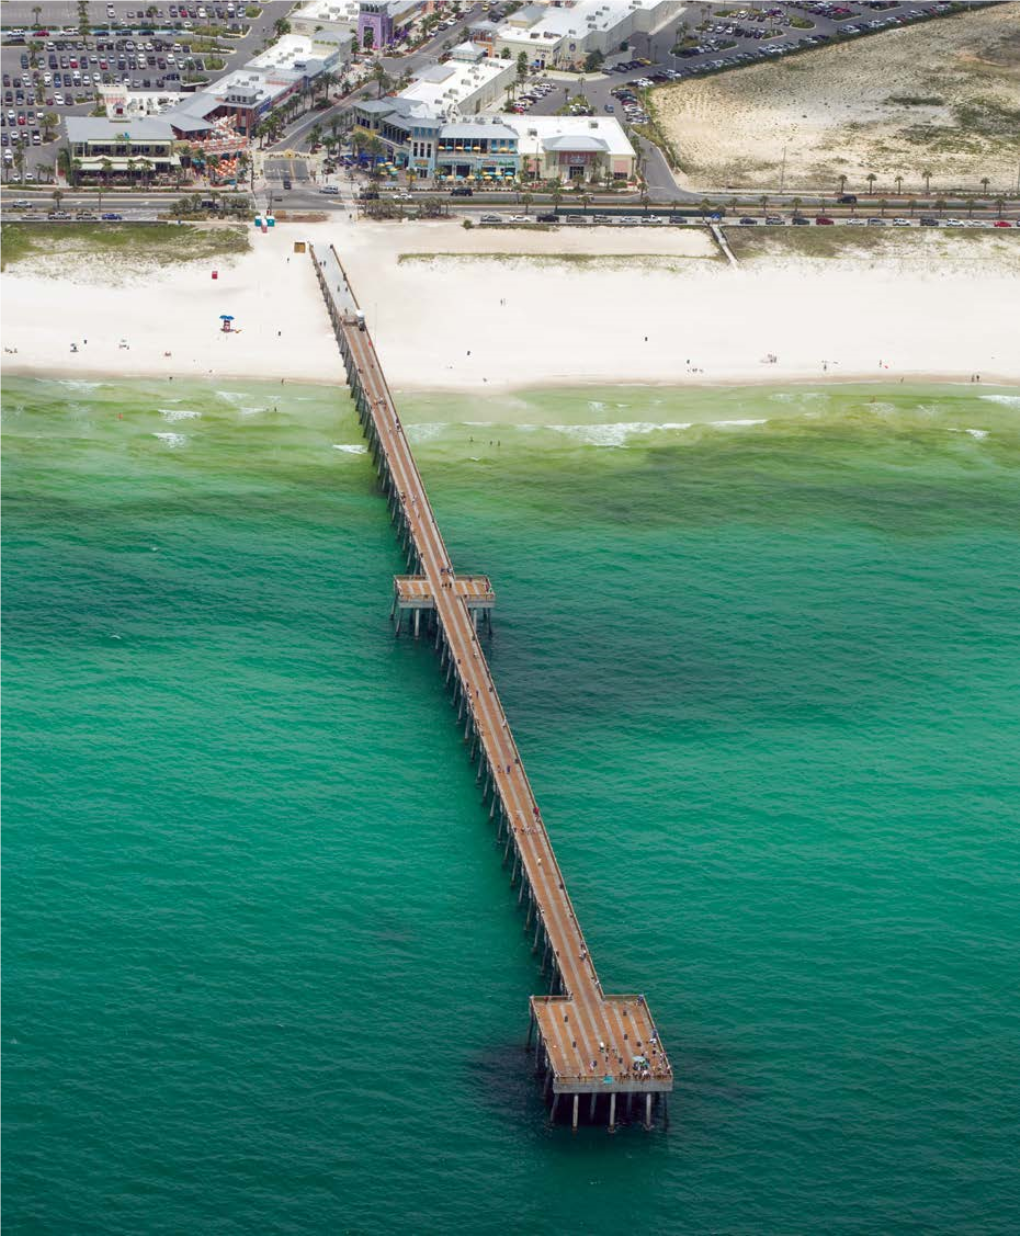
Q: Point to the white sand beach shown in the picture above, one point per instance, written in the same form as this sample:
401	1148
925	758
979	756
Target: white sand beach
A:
483	309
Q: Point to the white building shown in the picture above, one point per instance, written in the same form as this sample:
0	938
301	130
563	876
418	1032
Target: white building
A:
462	86
572	148
325	17
557	37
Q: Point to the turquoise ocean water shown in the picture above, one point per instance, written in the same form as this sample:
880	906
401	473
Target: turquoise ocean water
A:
264	973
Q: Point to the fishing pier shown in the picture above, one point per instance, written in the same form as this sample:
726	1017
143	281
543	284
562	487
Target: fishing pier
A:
600	1057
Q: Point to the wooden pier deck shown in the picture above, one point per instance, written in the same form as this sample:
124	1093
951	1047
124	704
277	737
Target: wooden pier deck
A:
593	1048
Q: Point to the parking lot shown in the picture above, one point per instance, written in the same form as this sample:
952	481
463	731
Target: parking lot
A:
693	45
51	69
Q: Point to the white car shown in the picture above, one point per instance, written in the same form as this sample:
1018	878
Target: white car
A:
955	223
901	223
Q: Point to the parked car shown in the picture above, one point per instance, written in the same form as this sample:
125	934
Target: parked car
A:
110	217
548	218
929	221
1002	223
824	220
462	191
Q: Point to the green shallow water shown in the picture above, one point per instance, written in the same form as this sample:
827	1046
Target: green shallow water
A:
263	970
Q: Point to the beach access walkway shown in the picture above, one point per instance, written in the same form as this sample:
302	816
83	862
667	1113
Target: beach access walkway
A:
596	1050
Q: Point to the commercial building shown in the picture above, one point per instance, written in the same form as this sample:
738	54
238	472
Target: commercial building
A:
382	22
100	145
573	148
464	85
562	36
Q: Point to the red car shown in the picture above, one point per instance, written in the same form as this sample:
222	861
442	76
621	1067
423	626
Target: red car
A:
821	220
1002	223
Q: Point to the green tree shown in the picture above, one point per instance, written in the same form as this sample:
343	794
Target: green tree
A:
49	121
522	68
940	206
899	185
926	176
58	197
557	193
381	78
585	201
871	178
593	61
526	200
315	136
883	206
281	27
1000	205
985	182
764	203
796	204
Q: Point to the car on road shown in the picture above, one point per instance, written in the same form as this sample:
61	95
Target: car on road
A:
1002	223
110	216
775	219
548	218
929	221
876	222
799	221
949	222
333	190
901	223
747	221
492	218
847	199
462	191
824	221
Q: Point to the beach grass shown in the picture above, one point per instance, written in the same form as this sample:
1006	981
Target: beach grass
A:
158	244
751	244
660	261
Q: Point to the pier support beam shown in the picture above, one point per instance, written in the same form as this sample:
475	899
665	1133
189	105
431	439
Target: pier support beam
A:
612	1112
648	1110
573	1123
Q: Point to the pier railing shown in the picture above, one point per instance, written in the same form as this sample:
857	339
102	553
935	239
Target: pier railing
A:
588	1044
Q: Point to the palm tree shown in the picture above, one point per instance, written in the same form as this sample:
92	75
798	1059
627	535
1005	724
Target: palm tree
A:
557	194
764	203
526	200
970	206
58	197
985	182
871	178
884	206
643	197
796	205
913	203
36	10
585	201
381	78
926	176
146	168
1000	204
107	167
132	167
315	136
899	185
940	206
50	120
842	183
19	160
704	206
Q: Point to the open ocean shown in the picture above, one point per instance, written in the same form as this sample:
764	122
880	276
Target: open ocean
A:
263	970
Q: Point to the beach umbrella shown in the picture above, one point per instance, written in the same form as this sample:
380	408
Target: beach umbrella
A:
226	317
